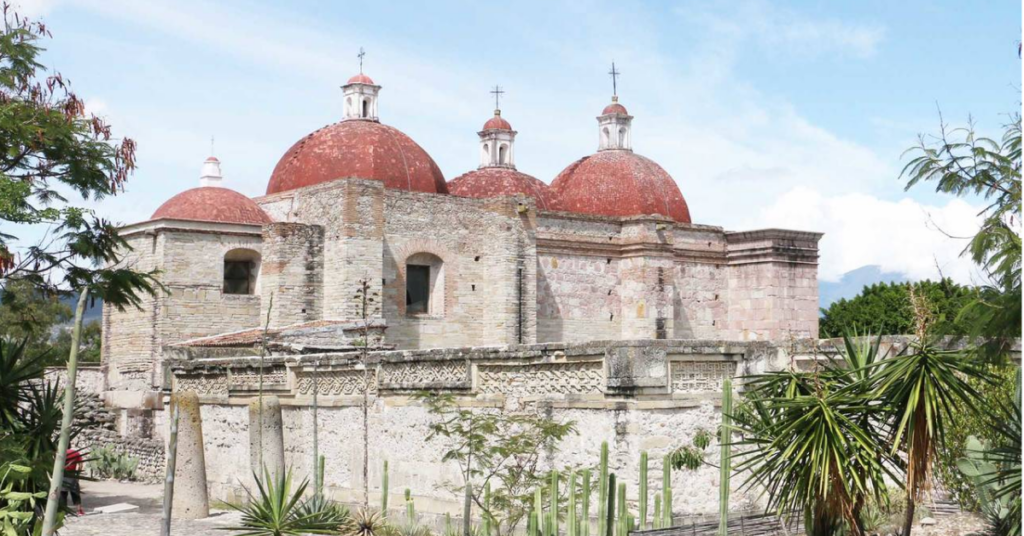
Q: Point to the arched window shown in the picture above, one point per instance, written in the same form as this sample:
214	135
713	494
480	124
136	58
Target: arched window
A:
502	154
366	107
605	137
424	285
241	271
622	137
348	106
485	153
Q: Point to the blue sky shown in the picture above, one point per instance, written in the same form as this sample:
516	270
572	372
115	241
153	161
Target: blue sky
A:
791	114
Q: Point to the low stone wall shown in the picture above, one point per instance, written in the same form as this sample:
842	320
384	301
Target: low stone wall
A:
100	430
89	378
638	396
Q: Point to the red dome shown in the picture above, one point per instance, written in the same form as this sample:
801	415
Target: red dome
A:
497	182
614	108
497	123
364	149
214	204
618	183
361	79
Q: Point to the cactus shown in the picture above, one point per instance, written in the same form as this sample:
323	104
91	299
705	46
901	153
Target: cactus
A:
322	463
538	508
383	491
553	528
643	490
531	524
448	528
621	529
585	514
602	493
570	511
657	510
724	439
410	509
666	493
609	509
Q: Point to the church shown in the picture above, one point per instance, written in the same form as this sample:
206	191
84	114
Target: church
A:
360	231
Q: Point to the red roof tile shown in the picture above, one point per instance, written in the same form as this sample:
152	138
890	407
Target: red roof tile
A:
209	203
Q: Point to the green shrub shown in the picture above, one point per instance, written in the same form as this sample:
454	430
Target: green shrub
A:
107	463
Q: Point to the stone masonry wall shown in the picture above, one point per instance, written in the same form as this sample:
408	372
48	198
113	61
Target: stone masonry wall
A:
637	395
130	341
292	273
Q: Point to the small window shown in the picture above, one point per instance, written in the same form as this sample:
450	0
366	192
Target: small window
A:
366	107
622	137
417	289
237	277
241	271
501	153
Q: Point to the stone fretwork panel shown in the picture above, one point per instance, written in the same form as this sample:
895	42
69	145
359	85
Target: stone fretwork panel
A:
576	378
248	379
701	376
425	375
345	382
203	384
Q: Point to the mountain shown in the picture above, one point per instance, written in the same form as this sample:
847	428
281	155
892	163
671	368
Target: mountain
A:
93	309
852	282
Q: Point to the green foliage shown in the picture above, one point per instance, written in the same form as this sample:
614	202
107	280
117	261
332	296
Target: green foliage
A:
692	456
725	465
496	449
885	309
276	510
365	522
89	348
20	497
983	425
51	146
807	437
107	463
961	163
30	315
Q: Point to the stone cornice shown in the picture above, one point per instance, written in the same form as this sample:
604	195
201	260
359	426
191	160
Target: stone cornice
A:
164	225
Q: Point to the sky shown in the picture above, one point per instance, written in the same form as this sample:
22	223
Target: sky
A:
767	114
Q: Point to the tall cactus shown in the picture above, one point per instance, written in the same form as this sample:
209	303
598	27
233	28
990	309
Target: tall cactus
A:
553	530
609	509
602	493
538	508
666	493
487	510
570	511
725	438
410	508
657	510
384	491
585	514
622	509
643	490
531	524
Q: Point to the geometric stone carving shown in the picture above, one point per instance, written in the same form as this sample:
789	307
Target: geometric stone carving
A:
248	379
583	377
700	376
203	384
450	374
337	382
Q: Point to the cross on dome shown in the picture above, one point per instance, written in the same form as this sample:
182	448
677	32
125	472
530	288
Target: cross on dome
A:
615	75
361	54
497	92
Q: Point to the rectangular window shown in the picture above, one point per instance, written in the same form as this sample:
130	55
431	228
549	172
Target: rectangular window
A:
417	289
238	277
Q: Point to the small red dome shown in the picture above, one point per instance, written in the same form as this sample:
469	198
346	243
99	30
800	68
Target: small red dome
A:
497	123
618	183
361	79
212	204
496	182
614	108
363	149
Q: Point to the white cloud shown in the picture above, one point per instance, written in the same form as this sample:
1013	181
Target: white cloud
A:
903	236
788	31
33	9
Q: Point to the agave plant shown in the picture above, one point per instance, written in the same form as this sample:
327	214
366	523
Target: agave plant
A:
277	510
365	522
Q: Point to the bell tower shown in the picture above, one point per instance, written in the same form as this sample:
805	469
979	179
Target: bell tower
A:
615	125
360	94
497	139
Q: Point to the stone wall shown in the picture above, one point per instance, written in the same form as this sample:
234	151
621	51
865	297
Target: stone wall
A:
637	395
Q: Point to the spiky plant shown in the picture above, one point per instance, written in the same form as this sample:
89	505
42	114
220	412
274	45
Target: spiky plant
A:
277	510
365	522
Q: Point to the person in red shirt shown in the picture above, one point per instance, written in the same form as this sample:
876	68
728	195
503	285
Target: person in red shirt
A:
73	464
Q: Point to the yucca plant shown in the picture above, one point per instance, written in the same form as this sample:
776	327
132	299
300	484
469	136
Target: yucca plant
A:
276	510
365	522
917	388
809	440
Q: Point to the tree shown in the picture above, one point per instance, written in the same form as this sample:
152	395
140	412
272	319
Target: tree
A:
30	314
89	348
50	150
492	447
961	163
884	309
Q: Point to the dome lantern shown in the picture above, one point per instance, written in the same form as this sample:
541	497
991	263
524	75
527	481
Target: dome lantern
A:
360	94
210	174
497	139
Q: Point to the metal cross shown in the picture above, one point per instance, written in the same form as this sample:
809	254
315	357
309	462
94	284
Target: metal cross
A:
615	74
497	92
211	145
361	54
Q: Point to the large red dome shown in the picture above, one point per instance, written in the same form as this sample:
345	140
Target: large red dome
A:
209	203
618	183
496	182
363	149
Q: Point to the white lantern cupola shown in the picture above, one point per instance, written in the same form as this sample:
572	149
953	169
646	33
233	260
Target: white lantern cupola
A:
497	142
615	128
360	94
210	174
